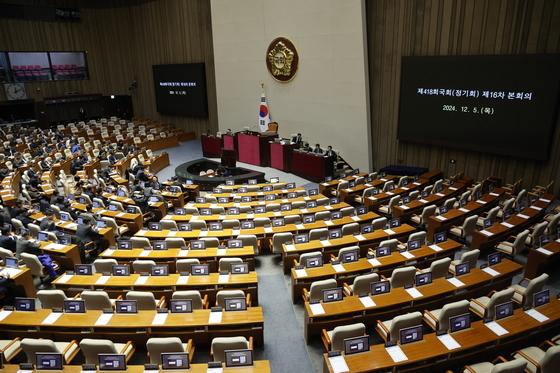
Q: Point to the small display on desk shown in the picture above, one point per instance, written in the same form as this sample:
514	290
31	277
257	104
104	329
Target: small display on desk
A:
24	304
124	245
234	244
235	304
356	345
180	305
246	199
292	195
459	322
174	360
10	262
184	227
410	335
239	268
238	358
361	210
351	184
366	228
100	224
380	287
154	226
310	192
223	200
247	224
286	207
394	223
112	207
267	188
83	269
442	210
233	211
175	189
230	182
260	209
544	239
274	180
494	259
313	261
462	269
48	361
440	237
332	295
111	361
423	279
311	204
218	190
503	310
415	244
200	200
382	251
307	219
200	269
336	215
301	238
215	226
121	193
74	306
160	270
126	306
252	181
487	223
350	256
334	201
42	236
64	216
65	239
405	200
180	211
335	233
278	222
541	298
188	182
290	185
198	245
121	270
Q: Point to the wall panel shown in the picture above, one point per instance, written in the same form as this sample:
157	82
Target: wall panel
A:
397	28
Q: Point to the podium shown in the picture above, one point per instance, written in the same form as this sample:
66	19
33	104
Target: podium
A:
229	141
253	148
211	146
281	155
311	166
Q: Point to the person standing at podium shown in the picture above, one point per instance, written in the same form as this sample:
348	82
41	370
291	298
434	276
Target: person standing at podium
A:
297	139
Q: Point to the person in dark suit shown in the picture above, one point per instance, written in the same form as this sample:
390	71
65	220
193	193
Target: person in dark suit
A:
24	244
7	239
318	149
330	152
306	147
47	224
297	139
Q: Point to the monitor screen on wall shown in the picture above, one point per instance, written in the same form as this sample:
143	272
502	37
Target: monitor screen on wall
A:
30	66
505	105
180	89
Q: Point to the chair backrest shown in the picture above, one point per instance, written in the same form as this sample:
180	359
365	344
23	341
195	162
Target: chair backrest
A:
520	197
451	310
175	243
403	321
519	242
475	190
368	192
388	185
449	203
393	202
93	347
350	229
322	215
156	346
347	211
221	344
392	244
193	295
273	207
534	286
317	287
418	236
168	224
278	239
184	265
553	224
402	276
231	224
427	212
261	222
342	185
198	224
469	225
222	295
33	263
493	213
538	230
550	363
361	284
51	298
142	265
140	242
31	346
437	186
318	233
104	265
440	267
508	204
340	333
470	256
225	263
344	250
402	181
96	299
513	366
249	240
498	297
379	223
5	253
145	300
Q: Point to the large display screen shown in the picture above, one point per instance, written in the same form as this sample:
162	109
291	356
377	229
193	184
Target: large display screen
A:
181	89
504	105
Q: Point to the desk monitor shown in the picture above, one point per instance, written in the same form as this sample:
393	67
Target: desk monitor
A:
503	310
198	245
487	223
189	182
159	245
335	233
541	298
242	190
160	270
366	228
409	335
10	262
247	224
350	256
351	184
74	306
406	200
111	361
223	200
121	193
494	258
234	243
184	227
230	182
380	287
83	269
217	190
459	322
278	222
361	210
415	244
235	304
121	270
356	345
334	201
260	209
215	226
423	279
154	226
82	200
544	239
65	239
180	211
124	245
440	237
174	360
382	251
267	188
126	306
310	192
42	236
462	202
24	304
238	358
336	215
292	195
199	269
252	181
394	223
233	211
112	207
132	210
95	204
101	224
205	211
332	295
311	204
442	210
64	216
274	180
307	219
246	199
463	268
48	361
286	207
290	185
154	199
314	261
239	268
199	200
301	238
180	305
175	189
424	194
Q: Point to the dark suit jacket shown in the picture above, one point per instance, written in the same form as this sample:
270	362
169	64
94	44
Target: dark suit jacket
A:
8	242
47	225
26	246
85	233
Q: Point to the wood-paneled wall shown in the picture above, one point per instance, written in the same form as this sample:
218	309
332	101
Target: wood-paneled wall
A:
398	28
124	39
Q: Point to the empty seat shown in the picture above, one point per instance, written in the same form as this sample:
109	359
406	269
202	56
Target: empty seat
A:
145	300
350	229
31	346
197	301
221	344
97	300
470	257
513	366
222	295
140	243
315	292
539	360
422	219
514	248
168	224
333	340
210	241
157	346
439	268
278	239
184	265
389	330
93	347
143	266
388	208
176	243
104	265
231	224
524	294
438	319
51	298
249	240
466	230
402	276
318	234
225	263
361	284
484	306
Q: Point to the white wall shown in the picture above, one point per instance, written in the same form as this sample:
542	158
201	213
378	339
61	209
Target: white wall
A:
327	99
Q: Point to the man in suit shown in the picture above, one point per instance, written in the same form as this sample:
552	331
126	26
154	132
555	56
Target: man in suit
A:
306	147
318	149
297	139
8	239
330	152
47	224
25	244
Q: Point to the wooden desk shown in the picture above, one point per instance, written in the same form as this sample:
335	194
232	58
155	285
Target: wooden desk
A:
457	216
259	366
105	233
516	223
254	203
275	186
416	206
278	192
374	202
311	166
327	186
365	241
137	327
66	255
423	355
542	261
399	301
348	194
22	278
383	266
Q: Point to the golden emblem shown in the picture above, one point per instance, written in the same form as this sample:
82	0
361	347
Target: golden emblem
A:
282	59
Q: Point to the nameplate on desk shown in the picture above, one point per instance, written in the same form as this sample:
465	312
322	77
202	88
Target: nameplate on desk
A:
183	252
277	213
486	233
141	280
496	328
407	254
494	194
544	200
194	217
300	226
491	271
422	201
51	319
182	280
215	370
268	230
355	218
120	214
55	246
221	252
360	237
507	225
4	314
64	279
305	198
104	319
449	342
328	207
348	190
141	232
404	207
215	318
171	233
10	272
441	218
389	231
338	364
374	262
223	279
523	216
414	293
367	302
301	273
203	233
317	309
325	242
102	280
435	247
536	315
285	200
325	184
329	222
462	209
339	268
145	253
481	201
536	208
290	247
396	353
440	194
389	193
456	282
452	188
235	232
405	188
213	205
545	251
159	319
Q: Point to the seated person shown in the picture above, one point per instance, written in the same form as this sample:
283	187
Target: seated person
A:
318	149
25	244
297	139
47	224
330	152
306	147
8	239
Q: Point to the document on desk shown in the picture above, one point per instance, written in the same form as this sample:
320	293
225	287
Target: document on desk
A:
141	232
435	247
268	230
300	226
235	232
360	237
544	200
171	233
145	253
328	207
481	201
64	279
223	279
496	328
452	188
221	252
325	242
120	214
182	280
159	319
422	201
507	225
462	209
329	222
317	309
441	218
51	319
250	216
215	370
183	252
486	233
104	319
491	271
389	193
414	293
407	254
102	280
367	302
404	207
544	251
338	364
290	247
141	280
10	271
301	273
215	318
203	233
277	213
374	262
440	194
456	282
536	315
396	353
390	232
449	342
194	217
494	194
339	268
356	218
55	246
4	314
536	208
523	216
